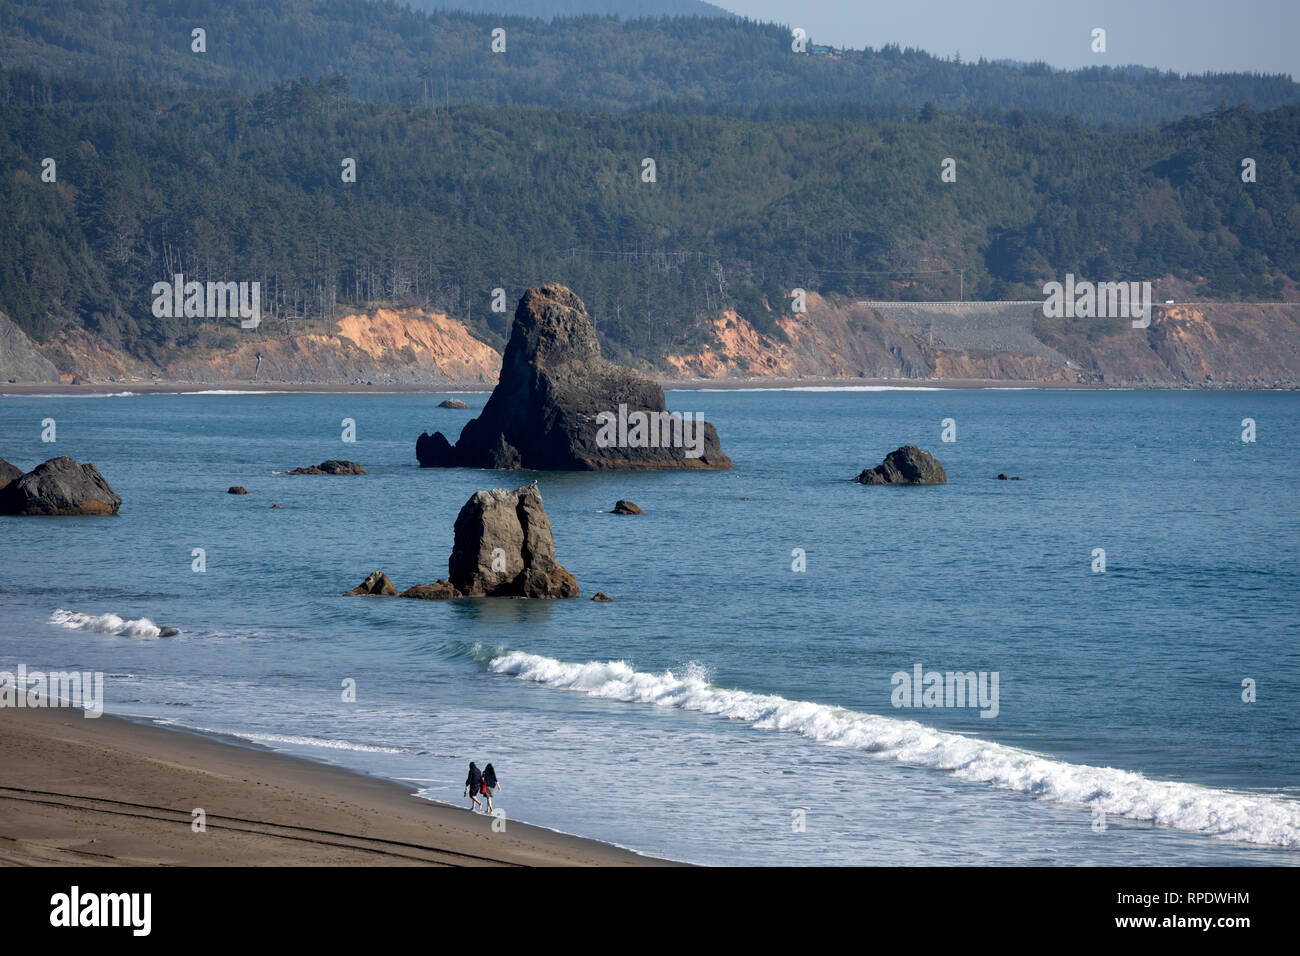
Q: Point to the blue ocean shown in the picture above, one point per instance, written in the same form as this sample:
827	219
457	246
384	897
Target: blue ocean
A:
1136	598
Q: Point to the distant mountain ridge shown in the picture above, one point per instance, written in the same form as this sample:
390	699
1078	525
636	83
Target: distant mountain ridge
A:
546	9
393	54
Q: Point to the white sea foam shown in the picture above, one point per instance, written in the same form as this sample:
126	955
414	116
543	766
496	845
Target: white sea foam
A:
106	624
304	741
68	395
1234	815
821	388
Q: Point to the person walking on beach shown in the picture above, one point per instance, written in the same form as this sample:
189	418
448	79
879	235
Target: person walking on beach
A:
473	784
489	784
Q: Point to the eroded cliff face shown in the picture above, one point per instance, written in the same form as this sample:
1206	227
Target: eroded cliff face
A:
1209	345
1202	344
849	340
390	346
19	359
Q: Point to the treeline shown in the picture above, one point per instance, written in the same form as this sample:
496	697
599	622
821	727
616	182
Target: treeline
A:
389	53
548	9
449	205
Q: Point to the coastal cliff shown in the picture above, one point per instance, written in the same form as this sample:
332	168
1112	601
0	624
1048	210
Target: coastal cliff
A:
1189	344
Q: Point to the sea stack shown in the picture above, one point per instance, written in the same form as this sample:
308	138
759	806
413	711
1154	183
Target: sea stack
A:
503	548
60	486
561	406
908	465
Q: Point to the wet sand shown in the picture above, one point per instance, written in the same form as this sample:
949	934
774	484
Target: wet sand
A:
77	791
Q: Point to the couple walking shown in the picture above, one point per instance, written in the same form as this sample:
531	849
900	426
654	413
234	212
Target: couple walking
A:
481	784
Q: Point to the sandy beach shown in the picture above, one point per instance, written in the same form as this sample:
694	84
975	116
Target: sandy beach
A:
106	791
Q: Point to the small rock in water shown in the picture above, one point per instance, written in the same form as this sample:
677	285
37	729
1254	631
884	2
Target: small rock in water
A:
237	490
376	582
333	466
622	507
452	403
601	596
908	465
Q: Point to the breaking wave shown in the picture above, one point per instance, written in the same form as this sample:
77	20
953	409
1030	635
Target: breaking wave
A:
109	624
1227	814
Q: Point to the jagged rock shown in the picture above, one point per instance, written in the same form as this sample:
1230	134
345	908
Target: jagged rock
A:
908	465
334	466
375	583
503	548
236	490
434	451
622	507
60	486
9	472
452	403
560	405
601	596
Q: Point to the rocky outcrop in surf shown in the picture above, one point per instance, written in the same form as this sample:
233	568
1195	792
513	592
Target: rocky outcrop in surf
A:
561	406
503	548
622	507
908	465
376	583
59	486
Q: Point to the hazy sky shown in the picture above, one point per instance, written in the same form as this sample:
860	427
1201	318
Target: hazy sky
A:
1190	36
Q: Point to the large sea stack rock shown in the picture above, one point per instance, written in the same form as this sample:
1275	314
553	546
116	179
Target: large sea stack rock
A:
503	548
60	486
908	465
559	403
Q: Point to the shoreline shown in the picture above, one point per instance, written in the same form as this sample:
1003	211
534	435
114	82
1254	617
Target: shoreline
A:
60	390
116	791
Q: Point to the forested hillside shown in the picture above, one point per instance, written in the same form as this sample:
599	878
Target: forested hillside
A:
449	204
393	54
547	9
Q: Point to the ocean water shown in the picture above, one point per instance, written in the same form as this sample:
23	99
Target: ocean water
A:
725	708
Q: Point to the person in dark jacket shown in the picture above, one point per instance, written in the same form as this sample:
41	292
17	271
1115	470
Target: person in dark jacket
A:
473	784
489	784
